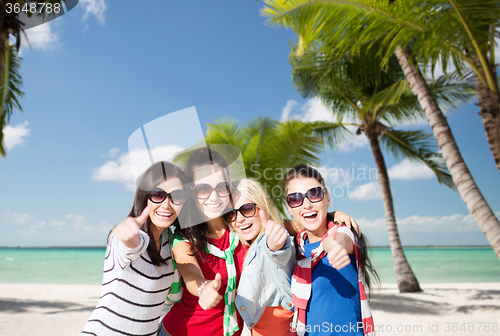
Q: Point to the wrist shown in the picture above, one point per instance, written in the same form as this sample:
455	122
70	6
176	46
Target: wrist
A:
202	286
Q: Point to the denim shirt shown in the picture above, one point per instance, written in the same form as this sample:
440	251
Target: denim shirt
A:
265	280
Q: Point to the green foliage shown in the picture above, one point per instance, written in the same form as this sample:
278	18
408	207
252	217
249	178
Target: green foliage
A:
269	148
10	90
437	30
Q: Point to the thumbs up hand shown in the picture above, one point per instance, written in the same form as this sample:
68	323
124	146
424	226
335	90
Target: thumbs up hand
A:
209	295
336	253
128	230
275	232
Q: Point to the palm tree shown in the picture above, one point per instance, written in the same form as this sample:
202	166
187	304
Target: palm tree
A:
348	25
10	63
269	149
362	94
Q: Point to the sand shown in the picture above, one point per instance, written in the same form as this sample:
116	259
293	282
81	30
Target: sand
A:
441	309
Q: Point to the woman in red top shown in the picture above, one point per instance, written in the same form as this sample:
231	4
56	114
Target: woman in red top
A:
209	257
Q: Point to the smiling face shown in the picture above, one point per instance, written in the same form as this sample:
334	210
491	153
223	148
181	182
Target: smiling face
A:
247	228
164	214
213	206
311	215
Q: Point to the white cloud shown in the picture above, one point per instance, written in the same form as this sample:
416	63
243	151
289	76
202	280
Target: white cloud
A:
366	192
314	110
41	37
113	152
290	104
96	8
15	135
122	170
57	223
407	170
17	218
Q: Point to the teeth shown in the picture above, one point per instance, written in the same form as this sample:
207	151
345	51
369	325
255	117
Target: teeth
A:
164	214
212	205
310	215
245	227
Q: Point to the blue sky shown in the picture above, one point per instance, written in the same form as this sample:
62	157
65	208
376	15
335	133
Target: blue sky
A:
95	75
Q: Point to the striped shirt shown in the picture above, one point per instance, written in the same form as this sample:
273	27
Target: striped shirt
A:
133	290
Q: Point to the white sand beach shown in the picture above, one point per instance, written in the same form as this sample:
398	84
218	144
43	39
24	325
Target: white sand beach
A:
441	309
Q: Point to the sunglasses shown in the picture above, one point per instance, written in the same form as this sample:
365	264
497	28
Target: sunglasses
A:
158	195
204	190
247	210
314	195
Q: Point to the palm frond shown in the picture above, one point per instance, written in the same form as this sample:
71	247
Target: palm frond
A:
417	146
10	90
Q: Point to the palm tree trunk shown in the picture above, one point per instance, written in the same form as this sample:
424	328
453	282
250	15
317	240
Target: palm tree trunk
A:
470	193
4	38
405	278
489	105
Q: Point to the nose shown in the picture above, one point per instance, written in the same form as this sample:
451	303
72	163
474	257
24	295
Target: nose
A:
167	203
213	196
239	217
307	203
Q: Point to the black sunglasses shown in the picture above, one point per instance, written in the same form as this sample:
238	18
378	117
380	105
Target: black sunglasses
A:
204	190
158	195
314	195
247	210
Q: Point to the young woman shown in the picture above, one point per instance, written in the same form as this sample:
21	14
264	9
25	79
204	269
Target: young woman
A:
209	256
138	267
327	292
264	298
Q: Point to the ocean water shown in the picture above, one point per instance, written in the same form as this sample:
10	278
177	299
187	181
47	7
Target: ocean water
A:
84	266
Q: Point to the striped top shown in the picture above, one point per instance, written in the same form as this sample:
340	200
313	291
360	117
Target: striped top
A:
133	290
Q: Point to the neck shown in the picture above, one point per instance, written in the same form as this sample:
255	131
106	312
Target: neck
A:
317	235
157	234
216	227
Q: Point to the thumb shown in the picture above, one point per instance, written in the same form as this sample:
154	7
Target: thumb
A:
263	218
217	281
143	216
333	231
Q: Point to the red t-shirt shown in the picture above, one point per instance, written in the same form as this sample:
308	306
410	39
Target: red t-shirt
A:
187	318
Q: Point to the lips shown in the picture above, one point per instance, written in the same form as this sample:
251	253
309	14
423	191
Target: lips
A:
310	216
213	207
245	228
164	214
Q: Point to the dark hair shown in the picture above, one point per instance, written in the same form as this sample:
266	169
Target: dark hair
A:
153	176
198	234
305	171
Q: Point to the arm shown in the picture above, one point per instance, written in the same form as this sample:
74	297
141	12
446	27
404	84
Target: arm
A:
193	277
338	246
127	242
343	218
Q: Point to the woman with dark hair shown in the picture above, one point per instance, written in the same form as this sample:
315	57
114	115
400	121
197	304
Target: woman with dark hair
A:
209	256
326	291
138	267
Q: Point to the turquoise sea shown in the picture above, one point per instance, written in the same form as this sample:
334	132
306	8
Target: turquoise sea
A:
84	265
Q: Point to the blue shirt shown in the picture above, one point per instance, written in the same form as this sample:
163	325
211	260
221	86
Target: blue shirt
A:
334	307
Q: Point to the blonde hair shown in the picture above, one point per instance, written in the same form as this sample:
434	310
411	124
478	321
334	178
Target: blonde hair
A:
253	191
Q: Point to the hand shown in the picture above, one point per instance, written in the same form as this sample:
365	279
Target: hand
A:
209	296
275	232
128	231
337	255
340	217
